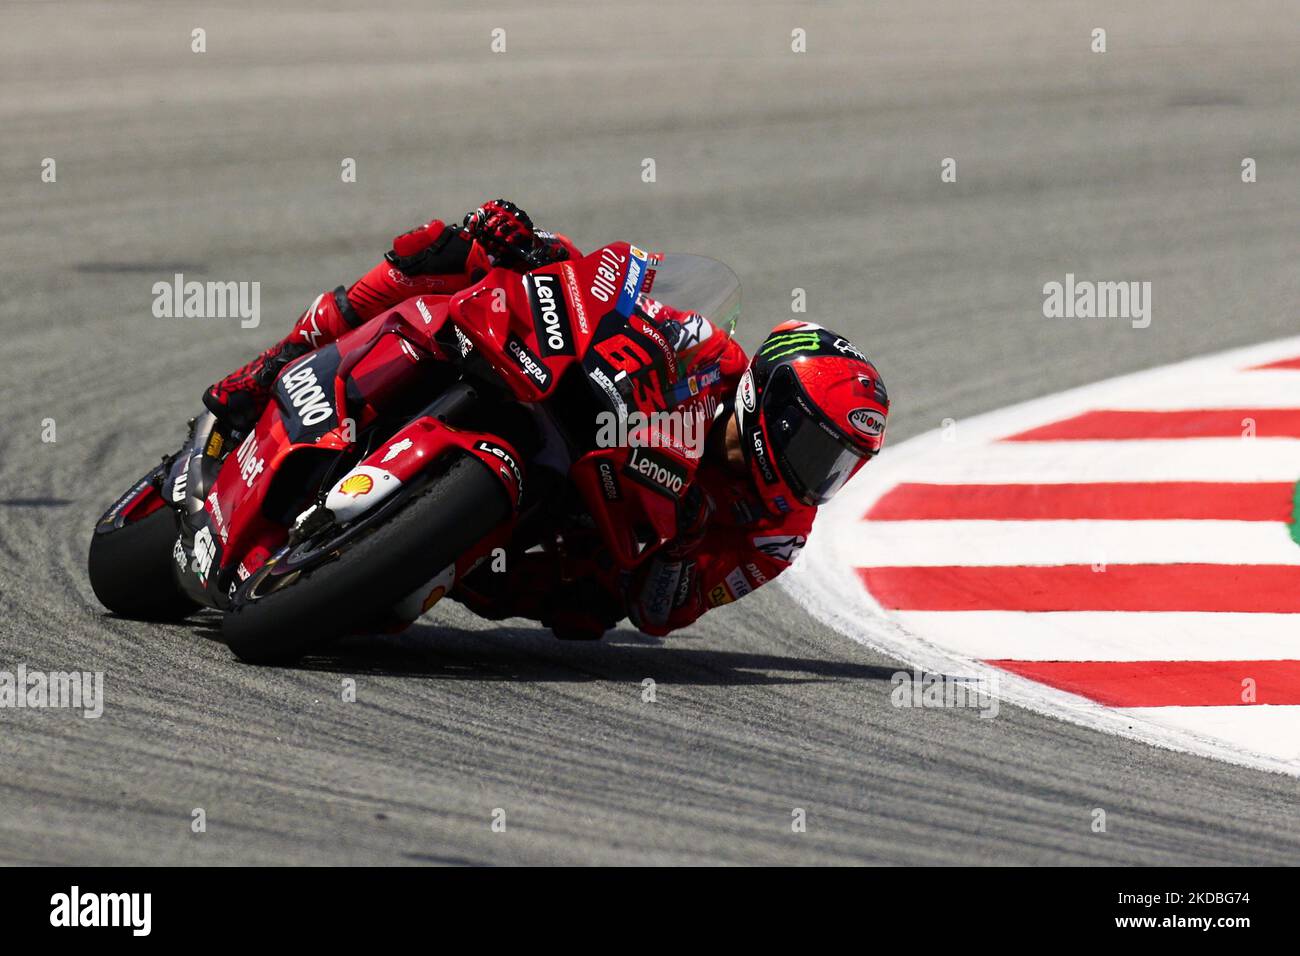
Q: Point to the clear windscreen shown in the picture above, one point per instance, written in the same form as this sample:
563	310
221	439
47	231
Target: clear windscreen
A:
697	284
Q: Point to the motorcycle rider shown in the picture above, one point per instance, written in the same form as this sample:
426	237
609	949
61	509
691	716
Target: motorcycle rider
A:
789	428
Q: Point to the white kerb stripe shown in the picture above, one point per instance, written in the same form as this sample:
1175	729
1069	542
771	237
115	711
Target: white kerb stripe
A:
1269	729
1109	635
983	543
1053	462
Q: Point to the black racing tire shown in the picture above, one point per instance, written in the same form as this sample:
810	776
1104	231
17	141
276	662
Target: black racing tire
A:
372	572
133	572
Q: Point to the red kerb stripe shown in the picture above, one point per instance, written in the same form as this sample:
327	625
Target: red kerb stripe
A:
1193	423
1257	588
1167	683
1113	501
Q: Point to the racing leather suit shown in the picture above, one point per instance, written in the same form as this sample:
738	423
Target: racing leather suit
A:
729	543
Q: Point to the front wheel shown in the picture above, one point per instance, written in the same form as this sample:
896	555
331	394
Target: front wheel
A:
368	572
132	559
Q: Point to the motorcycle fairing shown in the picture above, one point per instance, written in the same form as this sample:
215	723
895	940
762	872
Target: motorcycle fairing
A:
410	452
532	329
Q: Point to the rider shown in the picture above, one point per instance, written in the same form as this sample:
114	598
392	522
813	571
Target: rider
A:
789	428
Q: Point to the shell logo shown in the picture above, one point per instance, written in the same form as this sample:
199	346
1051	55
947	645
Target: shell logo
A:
433	597
357	485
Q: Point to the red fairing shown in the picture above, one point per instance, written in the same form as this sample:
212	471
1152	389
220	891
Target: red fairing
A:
234	504
502	314
412	448
388	355
379	359
615	481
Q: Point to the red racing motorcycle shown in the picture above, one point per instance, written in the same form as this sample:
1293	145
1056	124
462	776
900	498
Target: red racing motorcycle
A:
395	461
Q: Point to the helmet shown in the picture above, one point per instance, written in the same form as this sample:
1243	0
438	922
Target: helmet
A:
811	411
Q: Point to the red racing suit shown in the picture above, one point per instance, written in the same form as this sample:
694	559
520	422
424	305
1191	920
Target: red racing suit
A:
730	544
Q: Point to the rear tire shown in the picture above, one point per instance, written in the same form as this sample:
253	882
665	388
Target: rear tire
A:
374	572
133	573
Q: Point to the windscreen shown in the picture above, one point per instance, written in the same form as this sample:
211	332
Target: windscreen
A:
696	284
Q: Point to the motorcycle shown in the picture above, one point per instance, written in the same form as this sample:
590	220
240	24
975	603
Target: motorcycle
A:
392	463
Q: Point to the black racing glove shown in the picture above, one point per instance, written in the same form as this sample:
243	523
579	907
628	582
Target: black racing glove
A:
507	233
693	514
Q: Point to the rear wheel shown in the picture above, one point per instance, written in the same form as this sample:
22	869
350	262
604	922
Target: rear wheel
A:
278	617
133	571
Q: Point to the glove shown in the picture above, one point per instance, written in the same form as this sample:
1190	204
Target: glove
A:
503	229
693	514
429	250
506	232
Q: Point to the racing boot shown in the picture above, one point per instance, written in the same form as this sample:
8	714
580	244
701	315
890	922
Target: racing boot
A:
239	399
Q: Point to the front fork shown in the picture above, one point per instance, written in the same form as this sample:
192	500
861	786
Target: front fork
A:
188	480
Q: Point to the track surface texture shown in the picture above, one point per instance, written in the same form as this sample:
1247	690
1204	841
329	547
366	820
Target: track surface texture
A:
817	171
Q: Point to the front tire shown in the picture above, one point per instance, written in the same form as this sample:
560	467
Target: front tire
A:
408	548
132	569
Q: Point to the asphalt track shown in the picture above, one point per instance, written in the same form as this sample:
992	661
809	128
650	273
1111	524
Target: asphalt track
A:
818	171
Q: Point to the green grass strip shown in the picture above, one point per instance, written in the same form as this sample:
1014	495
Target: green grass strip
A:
1295	514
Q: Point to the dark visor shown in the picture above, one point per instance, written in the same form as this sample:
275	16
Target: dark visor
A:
814	461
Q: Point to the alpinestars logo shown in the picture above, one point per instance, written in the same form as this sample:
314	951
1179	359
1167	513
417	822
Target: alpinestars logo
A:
694	329
781	547
550	314
313	336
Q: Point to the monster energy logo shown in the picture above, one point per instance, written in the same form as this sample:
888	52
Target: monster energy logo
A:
789	343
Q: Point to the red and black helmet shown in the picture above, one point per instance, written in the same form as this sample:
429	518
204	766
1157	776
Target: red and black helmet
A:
811	411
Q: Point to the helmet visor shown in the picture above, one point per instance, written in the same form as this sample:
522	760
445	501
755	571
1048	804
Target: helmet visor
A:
814	461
